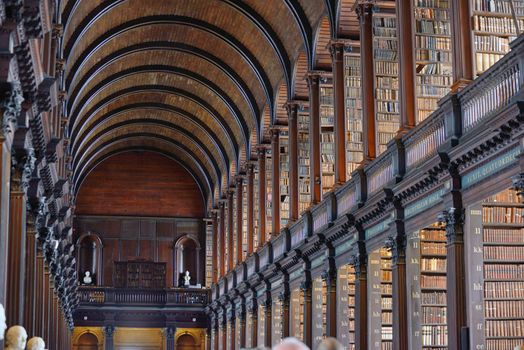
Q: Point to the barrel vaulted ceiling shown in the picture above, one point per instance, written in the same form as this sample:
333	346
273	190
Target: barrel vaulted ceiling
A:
197	80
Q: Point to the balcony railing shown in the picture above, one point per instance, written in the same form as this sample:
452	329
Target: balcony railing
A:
90	296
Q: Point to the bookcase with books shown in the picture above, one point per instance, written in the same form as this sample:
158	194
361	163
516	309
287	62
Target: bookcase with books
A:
269	195
327	135
432	54
229	336
353	109
319	301
385	52
276	324
426	254
380	291
296	317
304	188
234	233
226	237
261	325
244	219
496	239
238	329
284	177
256	217
346	306
209	255
495	24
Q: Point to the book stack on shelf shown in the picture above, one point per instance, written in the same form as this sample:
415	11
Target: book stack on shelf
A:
432	54
353	110
226	238
244	219
503	252
209	255
303	160
327	136
234	233
319	300
276	327
256	216
297	314
229	336
386	288
385	51
284	177
269	196
494	27
261	316
238	330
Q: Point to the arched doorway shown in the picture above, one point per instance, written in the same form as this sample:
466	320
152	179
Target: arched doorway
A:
87	341
89	257
186	342
187	258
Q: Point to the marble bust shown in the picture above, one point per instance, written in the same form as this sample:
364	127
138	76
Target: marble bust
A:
36	343
15	338
187	279
3	325
87	278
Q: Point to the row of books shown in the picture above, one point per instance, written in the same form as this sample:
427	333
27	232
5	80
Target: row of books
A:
504	290
510	253
433	249
511	215
426	91
437	282
505	328
432	3
497	25
386	288
492	6
495	44
433	265
499	235
438	27
503	344
504	271
432	42
434	314
388	107
432	55
387	318
386	68
483	61
504	309
434	298
439	80
438	14
434	335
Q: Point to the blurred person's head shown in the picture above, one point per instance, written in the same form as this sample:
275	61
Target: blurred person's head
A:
290	344
330	344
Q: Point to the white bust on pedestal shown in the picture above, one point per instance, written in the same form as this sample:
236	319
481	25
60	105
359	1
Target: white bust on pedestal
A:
36	343
3	325
87	278
15	338
187	279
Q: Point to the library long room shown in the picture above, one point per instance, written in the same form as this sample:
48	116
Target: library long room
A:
277	174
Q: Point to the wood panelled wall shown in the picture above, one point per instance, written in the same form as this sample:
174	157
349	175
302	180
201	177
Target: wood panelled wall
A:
140	184
127	238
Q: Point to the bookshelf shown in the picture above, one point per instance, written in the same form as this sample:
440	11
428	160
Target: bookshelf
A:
304	188
284	177
380	291
426	254
346	306
229	336
353	111
319	301
139	274
269	196
500	234
244	220
385	52
494	25
261	324
433	54
296	318
235	234
209	255
237	332
256	216
276	324
226	237
327	135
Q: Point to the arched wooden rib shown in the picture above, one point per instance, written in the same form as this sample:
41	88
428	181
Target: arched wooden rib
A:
305	28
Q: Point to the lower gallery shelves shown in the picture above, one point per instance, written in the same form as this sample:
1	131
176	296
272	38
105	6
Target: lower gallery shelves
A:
296	319
346	306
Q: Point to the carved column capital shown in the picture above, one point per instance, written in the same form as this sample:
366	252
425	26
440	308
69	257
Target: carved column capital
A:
22	166
305	286
453	219
336	49
397	245
518	186
358	261
364	9
11	105
313	78
109	331
283	297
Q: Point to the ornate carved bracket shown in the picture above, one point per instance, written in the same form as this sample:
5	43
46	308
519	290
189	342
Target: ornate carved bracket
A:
453	219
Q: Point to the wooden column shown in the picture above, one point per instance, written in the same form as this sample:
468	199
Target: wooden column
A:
404	11
16	250
361	303
214	251
109	332
169	334
330	277
242	331
400	301
31	291
250	208
313	81
47	308
230	227
453	219
305	289
223	332
268	322
275	180
239	207
39	295
337	58
462	44
284	299
5	176
222	229
231	335
252	312
292	117
262	194
364	12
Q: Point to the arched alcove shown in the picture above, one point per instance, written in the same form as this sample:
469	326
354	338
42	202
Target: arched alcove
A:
87	341
187	252
89	257
186	342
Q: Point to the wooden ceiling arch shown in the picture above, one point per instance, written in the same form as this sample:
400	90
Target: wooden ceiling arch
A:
207	77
